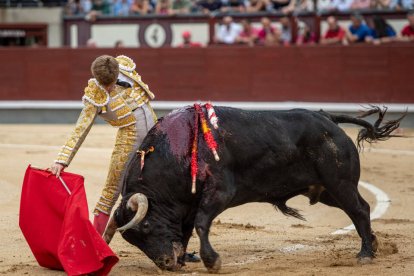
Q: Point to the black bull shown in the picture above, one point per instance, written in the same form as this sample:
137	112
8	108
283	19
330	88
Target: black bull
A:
267	156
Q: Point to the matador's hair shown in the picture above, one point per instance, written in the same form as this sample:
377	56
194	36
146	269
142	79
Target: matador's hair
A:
105	69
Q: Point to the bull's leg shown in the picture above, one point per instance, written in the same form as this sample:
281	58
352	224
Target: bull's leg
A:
327	199
212	204
187	232
348	198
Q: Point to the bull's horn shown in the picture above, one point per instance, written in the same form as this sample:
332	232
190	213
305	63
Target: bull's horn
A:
110	230
139	203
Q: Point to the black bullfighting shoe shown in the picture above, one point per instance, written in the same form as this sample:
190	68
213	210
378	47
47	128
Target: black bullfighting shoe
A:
192	257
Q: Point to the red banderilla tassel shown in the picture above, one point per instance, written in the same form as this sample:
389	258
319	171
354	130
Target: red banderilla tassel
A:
194	151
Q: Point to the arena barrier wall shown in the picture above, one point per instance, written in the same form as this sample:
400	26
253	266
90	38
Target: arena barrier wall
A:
353	74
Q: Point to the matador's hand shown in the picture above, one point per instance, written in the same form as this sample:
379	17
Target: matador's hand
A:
57	168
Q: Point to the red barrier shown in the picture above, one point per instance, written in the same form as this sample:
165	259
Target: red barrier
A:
360	73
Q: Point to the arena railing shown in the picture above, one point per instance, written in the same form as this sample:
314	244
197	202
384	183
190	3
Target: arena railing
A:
312	19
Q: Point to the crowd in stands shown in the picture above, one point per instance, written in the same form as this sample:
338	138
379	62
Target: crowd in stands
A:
93	8
375	31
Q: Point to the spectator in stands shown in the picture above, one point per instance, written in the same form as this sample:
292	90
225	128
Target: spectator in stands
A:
119	44
210	6
78	7
401	4
140	7
380	4
305	36
358	31
341	5
286	31
335	34
248	35
382	32
99	7
228	31
268	35
407	33
277	5
187	43
103	7
304	5
181	6
164	7
361	4
323	5
121	7
256	5
233	6
90	43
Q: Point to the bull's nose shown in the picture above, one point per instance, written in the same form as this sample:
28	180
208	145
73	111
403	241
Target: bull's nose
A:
170	263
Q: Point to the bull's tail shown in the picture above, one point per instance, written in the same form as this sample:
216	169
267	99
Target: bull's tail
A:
379	131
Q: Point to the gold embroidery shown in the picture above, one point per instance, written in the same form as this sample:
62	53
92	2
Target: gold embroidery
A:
83	125
126	140
95	93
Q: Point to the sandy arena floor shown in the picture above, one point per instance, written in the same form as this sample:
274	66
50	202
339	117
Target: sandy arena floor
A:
252	239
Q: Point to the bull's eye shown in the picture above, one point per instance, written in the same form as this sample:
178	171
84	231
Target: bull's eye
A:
145	226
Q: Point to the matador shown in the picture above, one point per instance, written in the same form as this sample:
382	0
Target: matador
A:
118	95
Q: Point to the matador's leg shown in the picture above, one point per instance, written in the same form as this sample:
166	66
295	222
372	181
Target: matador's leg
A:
125	146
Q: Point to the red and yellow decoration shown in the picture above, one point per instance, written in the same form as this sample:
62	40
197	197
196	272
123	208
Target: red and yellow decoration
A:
199	117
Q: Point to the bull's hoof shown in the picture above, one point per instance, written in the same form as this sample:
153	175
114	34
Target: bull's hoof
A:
215	268
365	260
374	243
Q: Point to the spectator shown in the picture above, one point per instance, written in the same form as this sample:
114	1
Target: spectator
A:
102	7
304	5
181	6
233	6
78	7
90	43
121	7
407	33
140	7
358	31
286	31
256	5
335	34
401	4
382	32
361	4
99	7
381	4
323	5
163	7
119	44
209	6
187	43
305	36
248	35
228	31
341	5
268	35
276	5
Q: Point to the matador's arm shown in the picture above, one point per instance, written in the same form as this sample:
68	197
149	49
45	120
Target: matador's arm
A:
82	128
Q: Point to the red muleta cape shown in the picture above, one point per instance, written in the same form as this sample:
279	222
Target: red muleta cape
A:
56	224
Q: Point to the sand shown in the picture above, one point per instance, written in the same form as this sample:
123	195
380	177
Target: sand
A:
252	239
